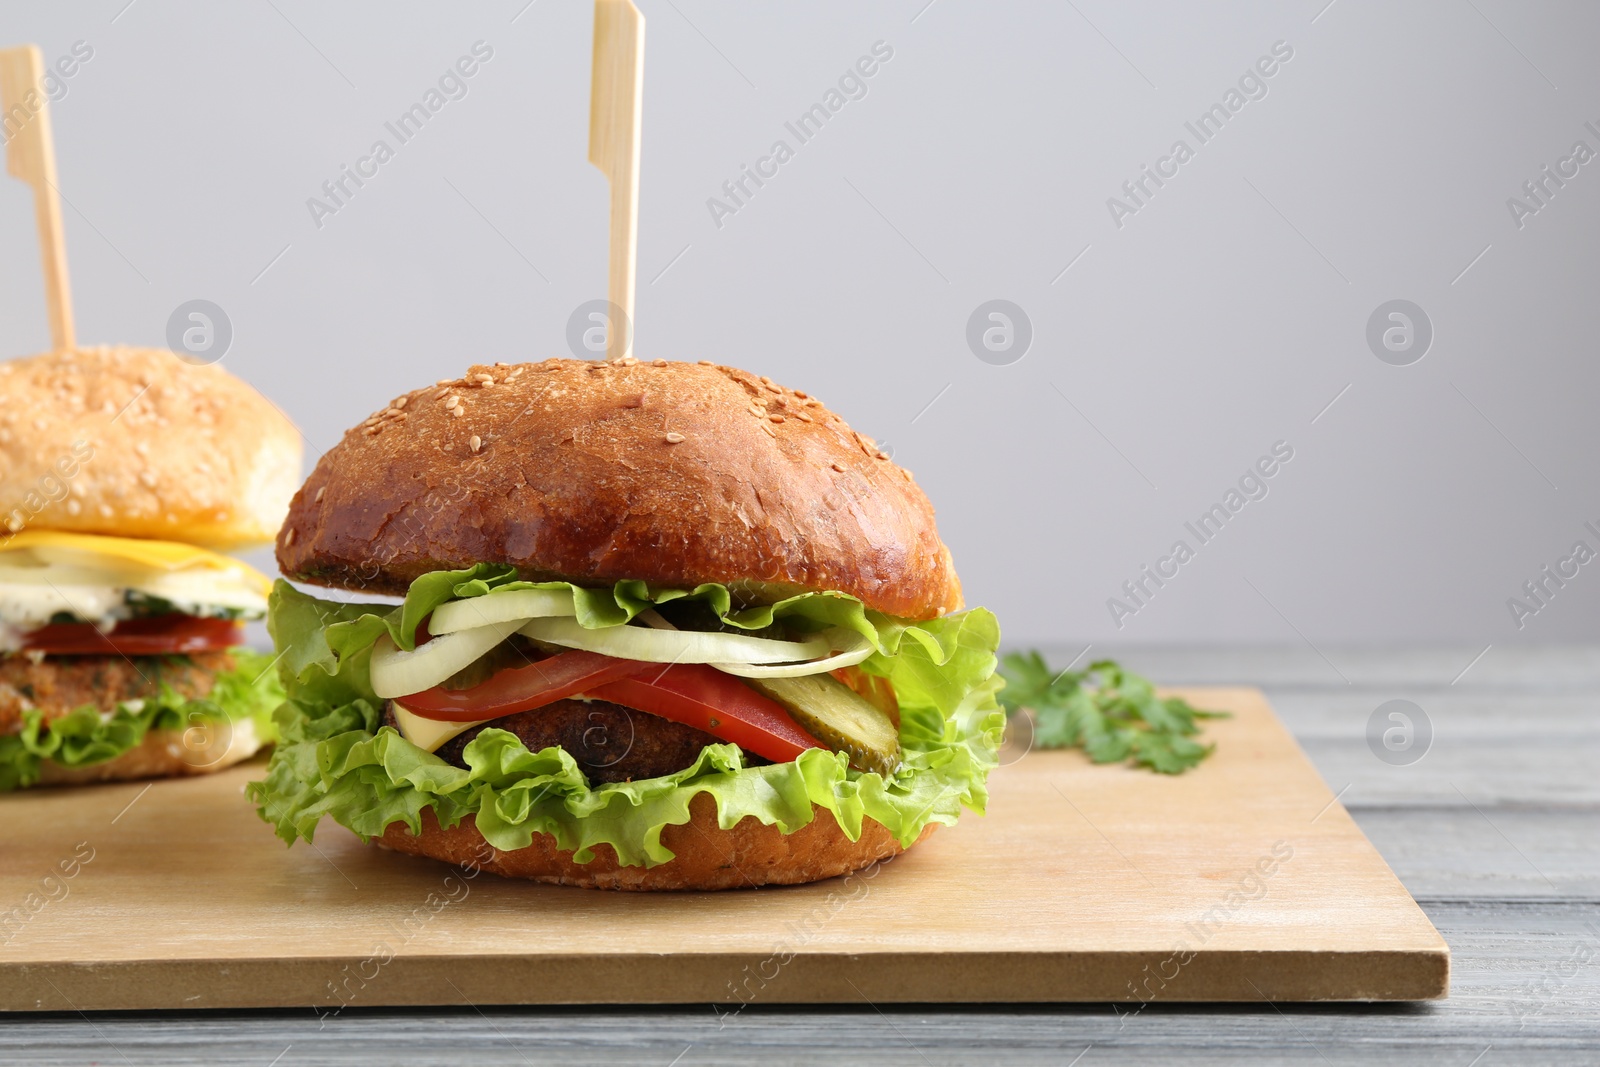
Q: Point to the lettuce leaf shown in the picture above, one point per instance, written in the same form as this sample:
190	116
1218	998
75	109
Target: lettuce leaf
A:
336	760
604	607
84	736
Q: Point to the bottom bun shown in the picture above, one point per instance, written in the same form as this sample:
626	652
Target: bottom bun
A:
706	856
163	754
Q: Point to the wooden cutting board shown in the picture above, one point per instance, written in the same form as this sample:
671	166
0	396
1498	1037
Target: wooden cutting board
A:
1244	880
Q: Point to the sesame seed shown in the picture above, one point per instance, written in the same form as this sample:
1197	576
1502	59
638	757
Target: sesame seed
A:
288	537
475	444
769	430
453	402
483	377
445	381
836	465
658	363
803	417
402	402
499	363
391	413
73	507
706	363
441	394
321	492
675	438
774	418
882	455
458	411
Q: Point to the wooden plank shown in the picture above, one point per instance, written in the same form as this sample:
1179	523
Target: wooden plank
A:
1487	772
1522	668
1500	949
1463	853
1488	748
1558	718
1513	989
1083	883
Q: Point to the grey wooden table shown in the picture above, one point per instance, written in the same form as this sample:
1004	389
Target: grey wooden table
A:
1495	831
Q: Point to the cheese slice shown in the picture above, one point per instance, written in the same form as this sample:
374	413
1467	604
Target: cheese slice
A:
100	552
428	734
89	569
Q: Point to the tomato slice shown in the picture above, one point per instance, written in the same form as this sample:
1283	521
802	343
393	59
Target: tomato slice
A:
701	696
522	688
694	694
158	635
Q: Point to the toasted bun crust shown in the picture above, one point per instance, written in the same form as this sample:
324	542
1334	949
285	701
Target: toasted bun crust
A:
676	473
706	856
163	754
135	442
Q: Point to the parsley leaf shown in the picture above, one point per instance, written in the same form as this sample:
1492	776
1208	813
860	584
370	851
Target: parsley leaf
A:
1111	713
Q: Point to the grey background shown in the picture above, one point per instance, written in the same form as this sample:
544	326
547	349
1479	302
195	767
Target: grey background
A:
1223	317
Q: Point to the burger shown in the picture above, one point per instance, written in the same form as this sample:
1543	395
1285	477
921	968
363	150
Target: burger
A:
660	625
122	473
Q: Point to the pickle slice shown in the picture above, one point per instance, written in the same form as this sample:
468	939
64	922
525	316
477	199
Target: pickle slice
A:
839	717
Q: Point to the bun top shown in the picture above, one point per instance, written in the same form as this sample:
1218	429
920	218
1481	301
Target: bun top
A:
675	473
135	442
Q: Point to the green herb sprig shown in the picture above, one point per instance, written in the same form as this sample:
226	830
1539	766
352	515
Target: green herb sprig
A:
1109	712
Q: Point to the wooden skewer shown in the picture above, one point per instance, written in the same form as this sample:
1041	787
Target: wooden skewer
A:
30	155
615	107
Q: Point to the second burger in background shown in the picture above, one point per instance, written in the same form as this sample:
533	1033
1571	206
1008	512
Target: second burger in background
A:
122	472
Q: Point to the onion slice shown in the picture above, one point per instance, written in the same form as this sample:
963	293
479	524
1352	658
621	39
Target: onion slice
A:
855	649
674	646
398	674
517	605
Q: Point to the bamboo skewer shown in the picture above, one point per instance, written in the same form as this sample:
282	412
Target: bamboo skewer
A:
615	108
30	155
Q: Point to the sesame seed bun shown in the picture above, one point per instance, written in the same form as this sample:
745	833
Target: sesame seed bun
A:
163	754
135	442
675	473
705	856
